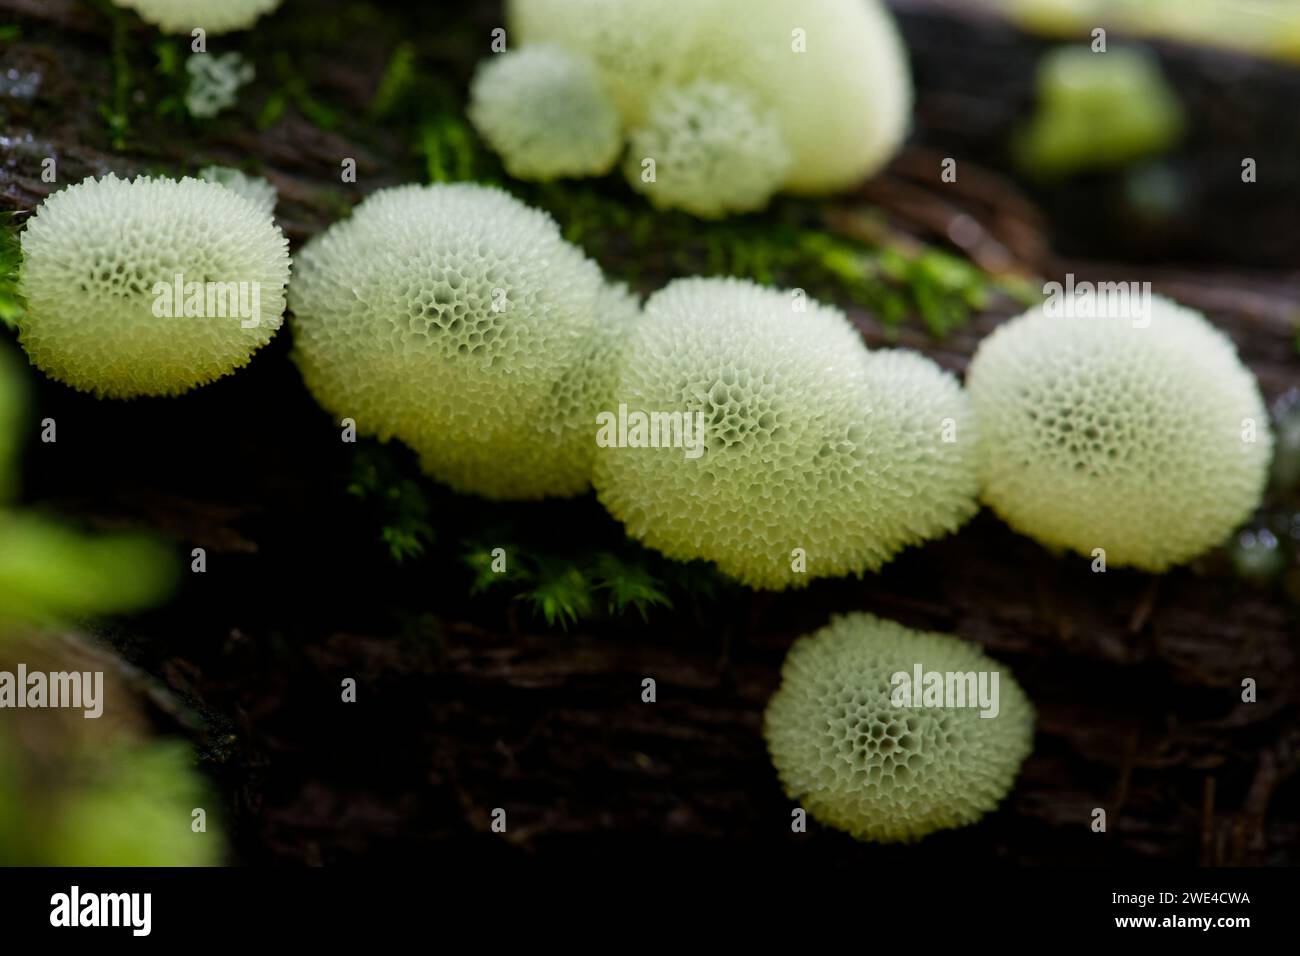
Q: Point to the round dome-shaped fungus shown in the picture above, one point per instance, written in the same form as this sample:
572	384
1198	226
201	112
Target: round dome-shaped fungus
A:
635	47
149	286
785	450
457	319
214	16
885	773
833	73
923	433
1098	112
715	152
1144	436
549	453
545	111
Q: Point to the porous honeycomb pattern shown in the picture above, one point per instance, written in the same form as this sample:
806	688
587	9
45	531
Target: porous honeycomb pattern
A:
1098	433
214	16
545	111
92	254
456	318
716	151
882	773
812	443
842	104
920	429
558	439
637	47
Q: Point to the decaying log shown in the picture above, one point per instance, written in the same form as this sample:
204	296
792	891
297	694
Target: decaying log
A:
465	707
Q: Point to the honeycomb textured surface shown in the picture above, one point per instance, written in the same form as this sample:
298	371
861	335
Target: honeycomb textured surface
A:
812	443
636	47
214	16
833	73
1097	433
716	151
92	256
253	188
457	319
922	432
545	111
558	439
883	773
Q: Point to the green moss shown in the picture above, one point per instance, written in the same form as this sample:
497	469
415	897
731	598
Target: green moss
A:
787	247
449	151
565	589
420	98
399	79
561	594
628	586
11	255
790	244
561	578
292	88
169	67
116	113
271	110
400	502
163	86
